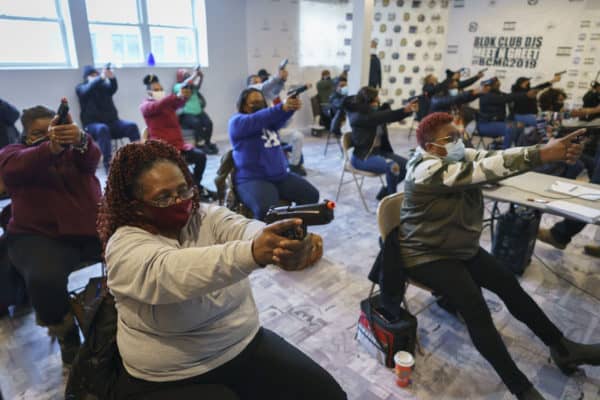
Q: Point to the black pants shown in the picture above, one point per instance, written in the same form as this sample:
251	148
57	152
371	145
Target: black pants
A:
198	158
45	265
269	368
201	124
461	282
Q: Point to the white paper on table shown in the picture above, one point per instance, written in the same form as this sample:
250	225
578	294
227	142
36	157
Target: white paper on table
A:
574	209
583	192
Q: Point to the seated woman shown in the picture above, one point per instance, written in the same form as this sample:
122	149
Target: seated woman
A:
439	235
450	97
492	121
262	177
372	149
525	108
159	112
51	179
188	326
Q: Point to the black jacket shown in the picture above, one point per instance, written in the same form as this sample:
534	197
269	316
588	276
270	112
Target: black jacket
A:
95	99
364	123
430	90
590	100
492	105
445	103
527	105
375	72
8	116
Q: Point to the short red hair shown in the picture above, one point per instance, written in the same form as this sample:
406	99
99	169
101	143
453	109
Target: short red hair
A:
430	124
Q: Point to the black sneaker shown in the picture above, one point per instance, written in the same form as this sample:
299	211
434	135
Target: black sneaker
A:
207	196
382	193
298	170
210	148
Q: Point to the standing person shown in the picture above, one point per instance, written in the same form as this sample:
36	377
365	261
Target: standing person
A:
441	223
159	111
261	168
8	116
525	108
372	149
193	114
493	120
188	326
325	87
98	112
374	67
51	178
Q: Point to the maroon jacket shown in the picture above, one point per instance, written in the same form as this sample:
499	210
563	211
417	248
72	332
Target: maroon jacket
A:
162	121
52	195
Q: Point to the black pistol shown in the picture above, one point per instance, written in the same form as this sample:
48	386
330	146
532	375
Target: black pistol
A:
310	214
297	91
63	110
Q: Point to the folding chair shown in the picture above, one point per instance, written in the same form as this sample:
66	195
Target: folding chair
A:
347	167
336	131
388	218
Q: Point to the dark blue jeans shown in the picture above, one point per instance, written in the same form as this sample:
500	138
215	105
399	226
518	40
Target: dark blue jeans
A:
526	119
507	130
383	163
260	195
104	133
564	230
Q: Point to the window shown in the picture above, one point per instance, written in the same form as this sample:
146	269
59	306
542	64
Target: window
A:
36	34
173	30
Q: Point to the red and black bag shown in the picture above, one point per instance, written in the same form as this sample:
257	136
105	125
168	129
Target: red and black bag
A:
382	334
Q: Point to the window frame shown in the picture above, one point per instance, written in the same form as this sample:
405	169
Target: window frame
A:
71	59
146	41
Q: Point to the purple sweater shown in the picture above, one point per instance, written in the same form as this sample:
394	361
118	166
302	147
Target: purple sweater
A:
52	195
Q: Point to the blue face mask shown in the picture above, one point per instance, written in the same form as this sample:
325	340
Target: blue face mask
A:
344	91
455	151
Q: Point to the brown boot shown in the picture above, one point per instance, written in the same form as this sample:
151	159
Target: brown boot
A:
67	334
592	250
545	235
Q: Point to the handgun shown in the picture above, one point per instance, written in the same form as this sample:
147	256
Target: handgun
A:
283	63
310	214
108	66
561	72
295	92
63	110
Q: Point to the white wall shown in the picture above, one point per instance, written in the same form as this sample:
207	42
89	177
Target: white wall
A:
223	81
274	32
570	31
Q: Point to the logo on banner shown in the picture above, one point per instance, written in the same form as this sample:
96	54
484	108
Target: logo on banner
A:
473	26
585	24
563	51
509	26
459	3
532	2
588	61
452	49
506	51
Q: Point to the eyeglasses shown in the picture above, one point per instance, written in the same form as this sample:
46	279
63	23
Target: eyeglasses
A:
455	137
166	200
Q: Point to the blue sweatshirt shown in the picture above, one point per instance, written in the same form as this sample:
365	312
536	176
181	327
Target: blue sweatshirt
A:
257	152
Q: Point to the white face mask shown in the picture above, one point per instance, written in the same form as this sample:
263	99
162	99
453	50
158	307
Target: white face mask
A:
158	94
91	78
454	151
453	92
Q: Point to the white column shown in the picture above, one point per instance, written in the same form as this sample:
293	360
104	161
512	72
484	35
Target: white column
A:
362	23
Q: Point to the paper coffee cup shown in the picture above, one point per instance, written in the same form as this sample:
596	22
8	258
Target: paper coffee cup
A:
404	363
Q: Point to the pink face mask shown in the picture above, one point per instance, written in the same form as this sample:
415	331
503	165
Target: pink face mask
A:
173	217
